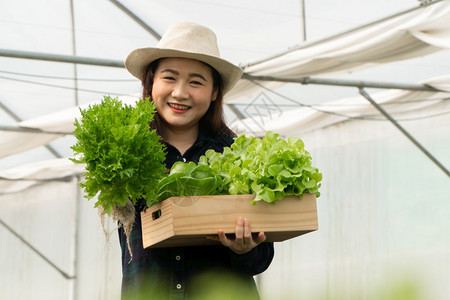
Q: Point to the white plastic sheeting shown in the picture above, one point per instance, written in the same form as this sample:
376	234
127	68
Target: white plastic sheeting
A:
65	229
401	104
383	219
417	33
20	178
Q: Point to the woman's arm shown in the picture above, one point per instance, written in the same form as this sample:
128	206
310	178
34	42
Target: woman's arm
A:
254	262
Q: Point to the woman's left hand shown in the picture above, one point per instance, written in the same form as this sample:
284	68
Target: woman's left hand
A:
244	241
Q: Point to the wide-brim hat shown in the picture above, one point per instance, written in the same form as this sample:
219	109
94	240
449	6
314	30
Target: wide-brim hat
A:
186	40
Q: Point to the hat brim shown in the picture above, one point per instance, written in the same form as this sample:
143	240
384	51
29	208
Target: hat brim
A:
139	59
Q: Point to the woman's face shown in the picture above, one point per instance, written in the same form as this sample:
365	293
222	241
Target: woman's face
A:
183	91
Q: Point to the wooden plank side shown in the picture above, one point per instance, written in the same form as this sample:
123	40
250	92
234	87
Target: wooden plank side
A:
208	214
193	218
155	230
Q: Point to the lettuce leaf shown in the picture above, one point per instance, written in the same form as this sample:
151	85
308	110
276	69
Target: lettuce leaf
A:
124	158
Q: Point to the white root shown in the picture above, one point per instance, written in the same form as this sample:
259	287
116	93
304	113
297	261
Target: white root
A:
125	216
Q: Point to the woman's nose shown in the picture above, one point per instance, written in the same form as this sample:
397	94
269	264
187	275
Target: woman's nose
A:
180	91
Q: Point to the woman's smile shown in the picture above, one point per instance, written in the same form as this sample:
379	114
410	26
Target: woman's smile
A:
179	108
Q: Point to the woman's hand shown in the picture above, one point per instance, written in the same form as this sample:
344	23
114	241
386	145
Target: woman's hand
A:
244	242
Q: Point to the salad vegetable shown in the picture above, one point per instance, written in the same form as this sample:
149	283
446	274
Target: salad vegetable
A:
271	168
124	158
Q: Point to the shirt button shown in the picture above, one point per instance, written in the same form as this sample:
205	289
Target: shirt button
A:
184	159
177	257
178	286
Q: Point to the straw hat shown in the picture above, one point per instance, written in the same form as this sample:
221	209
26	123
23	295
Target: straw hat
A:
185	40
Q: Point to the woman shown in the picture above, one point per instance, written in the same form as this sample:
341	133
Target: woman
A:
186	78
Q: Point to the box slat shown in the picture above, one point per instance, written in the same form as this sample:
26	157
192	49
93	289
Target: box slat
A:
186	221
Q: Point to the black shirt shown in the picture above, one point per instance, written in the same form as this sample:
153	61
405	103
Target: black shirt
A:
173	273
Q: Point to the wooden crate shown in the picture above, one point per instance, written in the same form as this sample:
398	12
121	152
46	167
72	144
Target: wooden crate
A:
186	221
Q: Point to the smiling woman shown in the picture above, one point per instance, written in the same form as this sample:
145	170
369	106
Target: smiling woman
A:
183	90
186	78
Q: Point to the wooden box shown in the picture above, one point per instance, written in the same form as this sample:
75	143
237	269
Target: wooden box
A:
186	221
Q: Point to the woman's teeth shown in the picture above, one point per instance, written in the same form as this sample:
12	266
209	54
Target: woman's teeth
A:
178	106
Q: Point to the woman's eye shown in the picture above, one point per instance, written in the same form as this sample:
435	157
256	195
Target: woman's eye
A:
196	82
169	78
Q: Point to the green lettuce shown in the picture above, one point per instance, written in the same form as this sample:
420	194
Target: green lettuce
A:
187	179
271	168
124	158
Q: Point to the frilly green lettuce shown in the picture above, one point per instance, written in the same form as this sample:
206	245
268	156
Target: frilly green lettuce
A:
271	168
124	158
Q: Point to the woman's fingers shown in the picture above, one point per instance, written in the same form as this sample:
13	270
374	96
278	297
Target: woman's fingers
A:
248	239
260	238
223	238
239	230
243	241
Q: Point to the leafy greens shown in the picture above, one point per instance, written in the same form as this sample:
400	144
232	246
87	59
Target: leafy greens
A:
271	168
124	158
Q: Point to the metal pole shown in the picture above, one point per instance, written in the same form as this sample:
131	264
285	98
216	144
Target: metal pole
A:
76	237
236	111
62	58
74	52
406	133
303	16
17	119
349	83
30	130
137	19
303	80
48	261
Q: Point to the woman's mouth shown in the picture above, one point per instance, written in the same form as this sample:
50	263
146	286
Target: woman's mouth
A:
179	107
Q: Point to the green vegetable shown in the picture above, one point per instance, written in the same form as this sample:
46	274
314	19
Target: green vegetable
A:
271	168
124	158
187	179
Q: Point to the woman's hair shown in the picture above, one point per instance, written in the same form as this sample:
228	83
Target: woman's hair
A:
213	121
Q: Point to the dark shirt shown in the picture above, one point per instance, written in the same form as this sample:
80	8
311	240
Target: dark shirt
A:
175	273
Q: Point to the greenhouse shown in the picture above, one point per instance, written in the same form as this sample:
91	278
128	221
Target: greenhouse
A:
365	85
